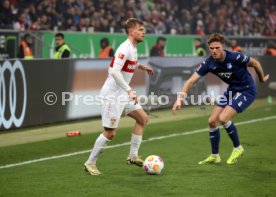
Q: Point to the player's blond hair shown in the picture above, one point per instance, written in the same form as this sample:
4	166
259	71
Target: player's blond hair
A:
131	22
216	37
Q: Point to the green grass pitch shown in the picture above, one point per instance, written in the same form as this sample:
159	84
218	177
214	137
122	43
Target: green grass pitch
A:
253	175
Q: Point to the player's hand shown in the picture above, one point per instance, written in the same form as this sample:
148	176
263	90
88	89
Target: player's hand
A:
148	69
176	106
265	78
132	96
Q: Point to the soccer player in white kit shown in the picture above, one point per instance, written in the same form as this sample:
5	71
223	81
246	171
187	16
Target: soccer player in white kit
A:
118	97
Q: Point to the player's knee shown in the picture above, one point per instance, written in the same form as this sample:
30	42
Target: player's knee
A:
109	133
144	120
223	119
212	122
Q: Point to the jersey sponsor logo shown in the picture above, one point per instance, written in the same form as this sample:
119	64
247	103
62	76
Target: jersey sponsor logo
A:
129	66
238	57
121	56
226	75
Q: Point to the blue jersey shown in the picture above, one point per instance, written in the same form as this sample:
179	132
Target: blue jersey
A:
233	70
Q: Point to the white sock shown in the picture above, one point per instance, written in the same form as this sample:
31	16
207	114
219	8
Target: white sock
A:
135	144
228	124
237	148
99	145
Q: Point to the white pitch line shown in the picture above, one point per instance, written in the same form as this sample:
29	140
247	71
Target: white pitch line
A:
128	143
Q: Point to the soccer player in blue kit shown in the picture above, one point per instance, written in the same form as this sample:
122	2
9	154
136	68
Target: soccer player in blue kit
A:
231	67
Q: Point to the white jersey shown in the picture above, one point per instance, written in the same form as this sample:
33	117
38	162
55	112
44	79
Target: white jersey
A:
125	60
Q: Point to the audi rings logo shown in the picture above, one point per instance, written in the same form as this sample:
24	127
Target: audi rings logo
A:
8	94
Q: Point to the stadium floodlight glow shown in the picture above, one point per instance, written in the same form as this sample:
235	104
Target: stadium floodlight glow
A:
7	67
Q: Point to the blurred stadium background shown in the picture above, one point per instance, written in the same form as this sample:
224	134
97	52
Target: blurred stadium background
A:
30	129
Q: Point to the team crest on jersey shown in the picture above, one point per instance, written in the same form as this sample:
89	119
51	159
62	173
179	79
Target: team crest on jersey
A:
229	65
121	56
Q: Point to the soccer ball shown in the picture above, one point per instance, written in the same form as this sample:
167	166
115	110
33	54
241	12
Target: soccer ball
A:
153	164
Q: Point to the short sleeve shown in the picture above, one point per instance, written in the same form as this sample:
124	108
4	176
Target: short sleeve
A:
202	69
242	59
121	56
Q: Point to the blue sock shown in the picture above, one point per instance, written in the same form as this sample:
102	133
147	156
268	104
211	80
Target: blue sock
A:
232	132
214	138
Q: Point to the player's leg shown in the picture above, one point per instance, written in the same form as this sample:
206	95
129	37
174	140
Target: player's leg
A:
111	113
239	102
214	134
141	118
99	145
225	119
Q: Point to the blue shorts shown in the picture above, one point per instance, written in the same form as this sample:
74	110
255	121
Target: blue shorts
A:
239	100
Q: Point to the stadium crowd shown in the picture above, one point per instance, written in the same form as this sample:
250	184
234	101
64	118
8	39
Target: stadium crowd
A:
200	17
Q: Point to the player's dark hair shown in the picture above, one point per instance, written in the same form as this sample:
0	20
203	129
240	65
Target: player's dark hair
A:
60	35
216	37
132	22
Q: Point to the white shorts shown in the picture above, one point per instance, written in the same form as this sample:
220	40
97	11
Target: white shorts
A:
112	112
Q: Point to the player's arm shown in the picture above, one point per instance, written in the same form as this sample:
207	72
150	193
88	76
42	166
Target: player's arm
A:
148	69
121	56
201	71
118	77
258	68
186	87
